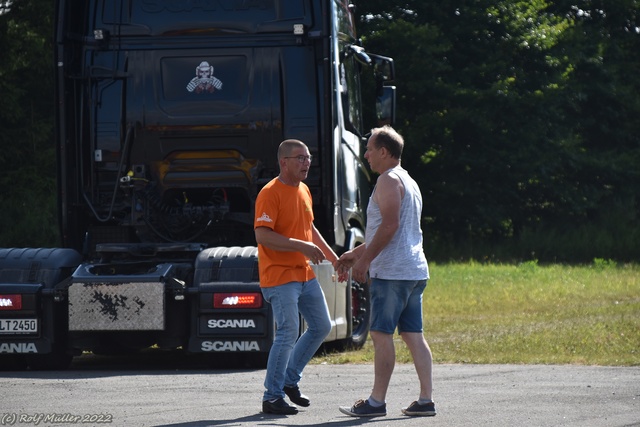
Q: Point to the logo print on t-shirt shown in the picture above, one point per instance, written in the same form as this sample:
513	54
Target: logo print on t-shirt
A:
264	218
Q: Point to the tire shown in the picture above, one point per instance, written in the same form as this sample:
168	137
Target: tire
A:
360	304
360	314
360	319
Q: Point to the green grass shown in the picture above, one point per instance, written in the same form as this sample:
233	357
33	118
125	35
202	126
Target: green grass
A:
527	314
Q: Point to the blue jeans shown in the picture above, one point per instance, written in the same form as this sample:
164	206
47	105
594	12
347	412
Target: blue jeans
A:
287	358
396	303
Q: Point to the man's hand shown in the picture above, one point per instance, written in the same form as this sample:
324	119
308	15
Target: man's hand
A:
313	252
345	262
359	271
343	274
353	260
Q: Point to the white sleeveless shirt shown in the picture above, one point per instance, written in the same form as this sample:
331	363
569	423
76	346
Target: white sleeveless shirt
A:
403	258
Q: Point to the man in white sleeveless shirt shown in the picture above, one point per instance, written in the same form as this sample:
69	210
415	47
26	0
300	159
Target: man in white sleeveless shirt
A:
394	258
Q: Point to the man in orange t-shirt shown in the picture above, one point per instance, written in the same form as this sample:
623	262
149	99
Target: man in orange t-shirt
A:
287	240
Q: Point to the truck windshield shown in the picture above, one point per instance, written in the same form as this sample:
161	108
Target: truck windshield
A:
198	17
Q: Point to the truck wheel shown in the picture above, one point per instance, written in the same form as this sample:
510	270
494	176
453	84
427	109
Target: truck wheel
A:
360	314
360	320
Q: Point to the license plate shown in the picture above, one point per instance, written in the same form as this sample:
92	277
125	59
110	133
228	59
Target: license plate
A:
18	326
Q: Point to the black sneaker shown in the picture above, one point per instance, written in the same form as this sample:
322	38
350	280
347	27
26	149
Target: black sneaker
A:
418	410
296	397
278	406
362	408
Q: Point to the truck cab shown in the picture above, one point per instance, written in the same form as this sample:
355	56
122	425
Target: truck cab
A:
169	115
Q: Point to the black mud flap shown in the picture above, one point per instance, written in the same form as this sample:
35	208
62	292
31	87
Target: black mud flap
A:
34	330
228	312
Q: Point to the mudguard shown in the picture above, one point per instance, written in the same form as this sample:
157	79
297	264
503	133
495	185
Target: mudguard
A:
37	276
224	279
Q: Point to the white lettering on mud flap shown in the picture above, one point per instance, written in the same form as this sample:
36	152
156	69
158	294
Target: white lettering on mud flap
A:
231	323
230	346
18	347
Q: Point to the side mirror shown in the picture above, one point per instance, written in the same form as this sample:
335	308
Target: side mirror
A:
386	106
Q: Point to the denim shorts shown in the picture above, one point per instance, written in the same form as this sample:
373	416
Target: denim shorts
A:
396	303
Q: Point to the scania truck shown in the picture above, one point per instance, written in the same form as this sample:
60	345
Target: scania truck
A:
168	118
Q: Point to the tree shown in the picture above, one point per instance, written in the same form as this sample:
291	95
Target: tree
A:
496	136
27	181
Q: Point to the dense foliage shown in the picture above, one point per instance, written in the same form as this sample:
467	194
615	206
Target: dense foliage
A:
521	120
27	159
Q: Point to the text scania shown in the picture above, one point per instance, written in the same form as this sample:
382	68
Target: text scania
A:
20	347
230	346
231	323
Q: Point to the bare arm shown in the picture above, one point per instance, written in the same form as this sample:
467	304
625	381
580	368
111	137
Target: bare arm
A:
349	258
388	196
329	254
269	238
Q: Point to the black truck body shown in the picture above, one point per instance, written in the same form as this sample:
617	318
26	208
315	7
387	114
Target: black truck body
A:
169	114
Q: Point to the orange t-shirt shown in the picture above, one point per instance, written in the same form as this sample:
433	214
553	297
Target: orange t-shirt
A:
288	211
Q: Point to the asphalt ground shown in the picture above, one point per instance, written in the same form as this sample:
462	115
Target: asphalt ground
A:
101	392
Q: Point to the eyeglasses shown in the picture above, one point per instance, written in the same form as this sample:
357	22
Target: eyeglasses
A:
301	159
